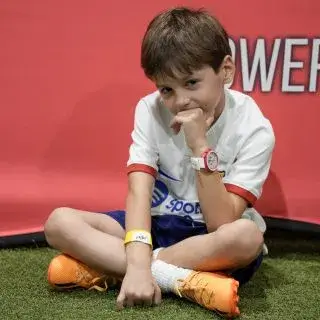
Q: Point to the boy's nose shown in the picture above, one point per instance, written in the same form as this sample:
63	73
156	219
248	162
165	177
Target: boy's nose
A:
182	103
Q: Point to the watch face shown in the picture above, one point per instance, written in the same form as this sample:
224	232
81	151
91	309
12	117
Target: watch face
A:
212	160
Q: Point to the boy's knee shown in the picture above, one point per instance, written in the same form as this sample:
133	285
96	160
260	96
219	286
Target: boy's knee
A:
57	219
245	236
250	235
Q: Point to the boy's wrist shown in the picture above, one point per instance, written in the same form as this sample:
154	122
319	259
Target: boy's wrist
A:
139	255
138	266
198	150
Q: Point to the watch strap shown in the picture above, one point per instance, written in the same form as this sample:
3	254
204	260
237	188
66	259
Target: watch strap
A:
197	163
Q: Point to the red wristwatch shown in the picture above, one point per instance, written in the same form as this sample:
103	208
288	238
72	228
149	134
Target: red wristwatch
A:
208	161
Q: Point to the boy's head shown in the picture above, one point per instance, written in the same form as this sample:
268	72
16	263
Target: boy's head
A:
183	40
180	42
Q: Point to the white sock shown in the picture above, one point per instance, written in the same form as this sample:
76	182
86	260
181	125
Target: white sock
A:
155	253
167	275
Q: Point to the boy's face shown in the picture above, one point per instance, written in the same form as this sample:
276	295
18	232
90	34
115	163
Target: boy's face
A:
202	89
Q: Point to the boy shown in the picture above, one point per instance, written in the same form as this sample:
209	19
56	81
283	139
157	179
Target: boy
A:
199	157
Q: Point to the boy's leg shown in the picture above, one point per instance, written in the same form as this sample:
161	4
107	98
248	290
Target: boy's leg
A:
232	246
97	240
93	238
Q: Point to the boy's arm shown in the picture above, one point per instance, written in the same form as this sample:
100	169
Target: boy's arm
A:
218	206
138	216
138	285
224	201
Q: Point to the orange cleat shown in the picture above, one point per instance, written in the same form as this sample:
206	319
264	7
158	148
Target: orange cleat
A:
211	290
65	272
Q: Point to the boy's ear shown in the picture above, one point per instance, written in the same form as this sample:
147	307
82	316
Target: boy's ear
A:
228	69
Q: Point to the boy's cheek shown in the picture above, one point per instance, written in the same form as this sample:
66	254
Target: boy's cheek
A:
171	108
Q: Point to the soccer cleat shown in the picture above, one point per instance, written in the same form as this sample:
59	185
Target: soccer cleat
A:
211	290
65	272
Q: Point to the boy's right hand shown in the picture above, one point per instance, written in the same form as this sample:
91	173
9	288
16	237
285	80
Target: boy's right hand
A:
138	287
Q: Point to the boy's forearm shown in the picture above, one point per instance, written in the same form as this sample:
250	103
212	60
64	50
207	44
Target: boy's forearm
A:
138	217
215	202
216	207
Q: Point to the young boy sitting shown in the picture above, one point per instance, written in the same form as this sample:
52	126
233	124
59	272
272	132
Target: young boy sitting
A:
198	160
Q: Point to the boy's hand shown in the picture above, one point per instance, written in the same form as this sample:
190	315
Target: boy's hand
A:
138	287
195	126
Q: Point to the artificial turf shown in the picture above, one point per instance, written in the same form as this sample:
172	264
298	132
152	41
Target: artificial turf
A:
286	287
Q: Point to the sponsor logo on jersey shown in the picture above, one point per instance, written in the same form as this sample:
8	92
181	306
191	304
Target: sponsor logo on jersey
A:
181	206
160	193
167	203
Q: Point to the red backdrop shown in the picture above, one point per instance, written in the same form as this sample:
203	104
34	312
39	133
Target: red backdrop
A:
70	78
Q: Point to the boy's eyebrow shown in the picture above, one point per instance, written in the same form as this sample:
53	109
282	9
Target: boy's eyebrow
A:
182	79
159	85
187	77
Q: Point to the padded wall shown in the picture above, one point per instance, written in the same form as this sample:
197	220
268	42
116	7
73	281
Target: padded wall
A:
70	78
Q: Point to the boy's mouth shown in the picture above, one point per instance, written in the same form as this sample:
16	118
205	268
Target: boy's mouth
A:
186	108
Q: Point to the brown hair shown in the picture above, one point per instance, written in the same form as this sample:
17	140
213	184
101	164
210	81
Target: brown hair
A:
182	40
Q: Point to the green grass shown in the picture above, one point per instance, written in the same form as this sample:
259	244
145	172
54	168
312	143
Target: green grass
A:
287	287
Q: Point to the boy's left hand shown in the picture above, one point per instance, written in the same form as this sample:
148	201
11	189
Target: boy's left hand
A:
195	125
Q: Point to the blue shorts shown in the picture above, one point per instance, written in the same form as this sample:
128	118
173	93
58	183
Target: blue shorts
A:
167	230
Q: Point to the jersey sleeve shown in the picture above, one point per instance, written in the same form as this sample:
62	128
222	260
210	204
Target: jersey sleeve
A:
143	153
251	167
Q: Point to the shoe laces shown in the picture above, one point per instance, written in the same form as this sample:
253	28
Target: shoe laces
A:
97	283
101	288
194	289
104	283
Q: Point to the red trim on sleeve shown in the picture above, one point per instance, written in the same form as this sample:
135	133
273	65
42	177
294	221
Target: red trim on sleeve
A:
245	194
137	167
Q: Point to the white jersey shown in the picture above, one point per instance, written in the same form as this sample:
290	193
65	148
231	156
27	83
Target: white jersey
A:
242	137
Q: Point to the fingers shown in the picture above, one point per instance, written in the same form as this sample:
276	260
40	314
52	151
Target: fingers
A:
147	302
157	295
130	300
209	121
126	299
139	292
176	126
120	300
188	116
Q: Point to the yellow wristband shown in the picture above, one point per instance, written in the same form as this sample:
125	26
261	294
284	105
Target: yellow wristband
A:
139	236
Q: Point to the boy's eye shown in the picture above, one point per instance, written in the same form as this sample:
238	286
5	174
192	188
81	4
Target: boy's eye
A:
191	82
165	90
